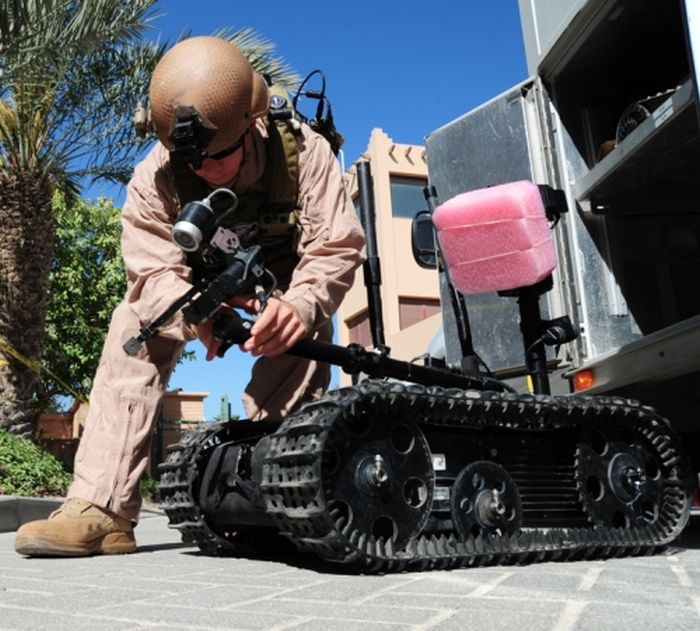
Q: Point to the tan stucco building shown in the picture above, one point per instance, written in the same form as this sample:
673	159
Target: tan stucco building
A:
410	296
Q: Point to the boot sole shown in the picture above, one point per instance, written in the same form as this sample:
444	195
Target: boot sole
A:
113	543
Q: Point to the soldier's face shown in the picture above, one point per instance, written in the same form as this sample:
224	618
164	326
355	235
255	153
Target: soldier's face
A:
220	172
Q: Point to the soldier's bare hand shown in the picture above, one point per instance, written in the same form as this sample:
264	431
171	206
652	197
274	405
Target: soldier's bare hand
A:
277	329
205	333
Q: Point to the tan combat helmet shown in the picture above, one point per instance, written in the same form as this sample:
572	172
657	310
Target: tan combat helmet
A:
204	95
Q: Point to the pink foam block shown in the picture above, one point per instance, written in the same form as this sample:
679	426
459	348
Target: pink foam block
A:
495	238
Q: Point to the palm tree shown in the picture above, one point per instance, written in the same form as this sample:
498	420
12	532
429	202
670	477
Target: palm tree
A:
71	72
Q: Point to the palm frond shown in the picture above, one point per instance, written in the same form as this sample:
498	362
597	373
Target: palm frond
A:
52	32
74	81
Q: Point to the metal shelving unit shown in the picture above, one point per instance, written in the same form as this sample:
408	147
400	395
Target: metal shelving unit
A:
611	55
660	159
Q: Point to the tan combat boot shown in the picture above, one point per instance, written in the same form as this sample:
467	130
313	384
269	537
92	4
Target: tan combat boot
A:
78	528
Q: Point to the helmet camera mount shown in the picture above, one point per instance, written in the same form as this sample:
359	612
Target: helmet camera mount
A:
190	136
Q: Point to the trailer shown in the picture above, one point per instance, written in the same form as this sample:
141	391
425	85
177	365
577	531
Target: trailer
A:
610	117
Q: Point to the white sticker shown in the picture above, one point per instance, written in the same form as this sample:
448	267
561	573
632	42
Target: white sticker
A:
439	462
226	240
442	493
663	112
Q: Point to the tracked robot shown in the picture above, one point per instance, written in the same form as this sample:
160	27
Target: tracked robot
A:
428	466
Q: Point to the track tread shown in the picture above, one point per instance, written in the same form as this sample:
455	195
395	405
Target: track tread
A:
457	408
292	485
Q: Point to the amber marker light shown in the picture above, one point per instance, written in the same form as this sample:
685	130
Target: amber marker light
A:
583	380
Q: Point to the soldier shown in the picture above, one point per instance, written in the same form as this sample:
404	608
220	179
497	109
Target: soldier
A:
291	202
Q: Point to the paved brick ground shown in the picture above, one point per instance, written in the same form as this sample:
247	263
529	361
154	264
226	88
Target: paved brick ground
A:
171	586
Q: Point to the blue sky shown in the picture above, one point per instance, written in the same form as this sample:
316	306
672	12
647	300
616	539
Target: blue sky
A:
405	66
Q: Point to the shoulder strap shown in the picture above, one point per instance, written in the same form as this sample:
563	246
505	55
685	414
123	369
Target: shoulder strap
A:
283	155
283	163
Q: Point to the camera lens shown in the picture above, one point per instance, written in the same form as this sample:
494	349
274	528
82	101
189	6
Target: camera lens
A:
187	236
191	225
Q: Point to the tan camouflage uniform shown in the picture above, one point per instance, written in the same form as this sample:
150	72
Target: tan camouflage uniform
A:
126	395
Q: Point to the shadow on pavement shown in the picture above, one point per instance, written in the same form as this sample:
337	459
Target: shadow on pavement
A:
690	538
280	550
162	546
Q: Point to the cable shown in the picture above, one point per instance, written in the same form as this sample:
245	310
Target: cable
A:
322	123
312	94
229	210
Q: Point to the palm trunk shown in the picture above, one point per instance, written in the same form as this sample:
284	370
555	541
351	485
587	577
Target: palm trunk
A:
26	226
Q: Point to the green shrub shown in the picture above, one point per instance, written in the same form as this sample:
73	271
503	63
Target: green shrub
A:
25	469
149	489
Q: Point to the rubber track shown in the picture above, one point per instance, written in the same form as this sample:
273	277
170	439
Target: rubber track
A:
177	475
292	484
294	495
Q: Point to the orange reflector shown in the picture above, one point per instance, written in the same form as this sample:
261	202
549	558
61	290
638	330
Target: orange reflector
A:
583	380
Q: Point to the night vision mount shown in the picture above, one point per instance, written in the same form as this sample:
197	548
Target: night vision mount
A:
190	136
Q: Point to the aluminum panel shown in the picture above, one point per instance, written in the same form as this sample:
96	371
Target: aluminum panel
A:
485	147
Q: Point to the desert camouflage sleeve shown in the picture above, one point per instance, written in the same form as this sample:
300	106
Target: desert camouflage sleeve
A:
157	271
332	242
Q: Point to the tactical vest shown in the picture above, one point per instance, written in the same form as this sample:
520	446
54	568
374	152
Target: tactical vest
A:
268	217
